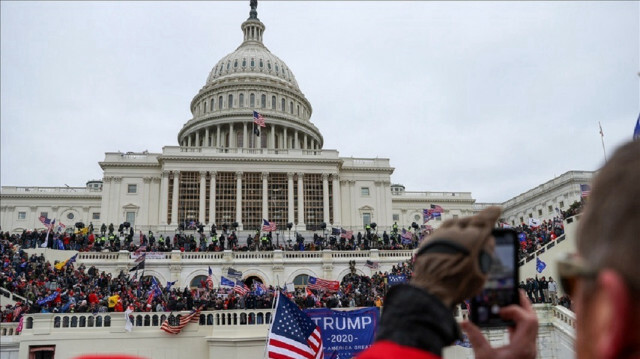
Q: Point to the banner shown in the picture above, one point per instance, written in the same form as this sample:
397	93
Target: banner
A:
150	255
345	333
396	279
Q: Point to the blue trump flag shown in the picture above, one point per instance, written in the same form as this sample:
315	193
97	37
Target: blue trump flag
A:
227	282
540	265
345	333
636	131
396	279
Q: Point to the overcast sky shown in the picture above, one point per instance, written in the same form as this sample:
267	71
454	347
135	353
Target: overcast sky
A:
491	98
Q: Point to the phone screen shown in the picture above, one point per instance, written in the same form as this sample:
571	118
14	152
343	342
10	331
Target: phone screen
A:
501	288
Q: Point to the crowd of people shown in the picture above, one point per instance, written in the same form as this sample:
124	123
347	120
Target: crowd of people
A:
108	239
74	288
532	238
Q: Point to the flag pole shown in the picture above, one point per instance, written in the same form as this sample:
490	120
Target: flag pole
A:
602	138
266	345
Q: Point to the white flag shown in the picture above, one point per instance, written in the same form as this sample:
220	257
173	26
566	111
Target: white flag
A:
128	320
534	222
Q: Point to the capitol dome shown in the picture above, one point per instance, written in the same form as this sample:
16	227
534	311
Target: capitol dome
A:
251	79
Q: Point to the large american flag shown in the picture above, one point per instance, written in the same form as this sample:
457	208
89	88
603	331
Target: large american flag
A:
241	288
437	209
268	226
585	189
293	334
328	285
194	317
345	234
258	119
210	279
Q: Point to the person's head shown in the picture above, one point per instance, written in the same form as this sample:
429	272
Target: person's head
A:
606	285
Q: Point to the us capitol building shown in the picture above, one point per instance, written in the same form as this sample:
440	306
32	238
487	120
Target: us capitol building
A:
222	173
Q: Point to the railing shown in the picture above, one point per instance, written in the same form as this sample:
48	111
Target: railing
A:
396	254
202	255
543	249
21	190
302	255
11	296
9	329
462	195
97	256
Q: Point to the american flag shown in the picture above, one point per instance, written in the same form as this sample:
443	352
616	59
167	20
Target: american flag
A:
268	226
328	285
293	334
437	209
426	215
345	234
210	279
194	317
258	119
585	189
371	264
241	288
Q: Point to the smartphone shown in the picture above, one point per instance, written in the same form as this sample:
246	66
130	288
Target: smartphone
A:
501	288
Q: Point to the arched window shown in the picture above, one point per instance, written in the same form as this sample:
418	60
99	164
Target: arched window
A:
273	102
204	106
252	100
263	101
253	63
228	65
241	100
244	62
301	280
197	281
211	106
269	66
291	107
235	63
276	68
282	105
230	103
261	65
220	103
298	110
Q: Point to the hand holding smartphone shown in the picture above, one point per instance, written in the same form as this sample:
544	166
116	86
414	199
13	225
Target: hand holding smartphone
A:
501	288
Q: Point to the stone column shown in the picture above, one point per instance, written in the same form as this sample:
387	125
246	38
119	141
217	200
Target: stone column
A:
232	137
239	198
290	211
301	201
189	141
117	208
265	195
353	215
218	136
145	208
325	198
273	137
212	198
336	200
295	140
206	138
202	196
285	143
304	141
164	198
245	139
174	203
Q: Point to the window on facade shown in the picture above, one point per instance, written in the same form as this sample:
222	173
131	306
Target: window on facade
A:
244	62
235	63
416	217
22	215
313	205
211	106
282	105
131	218
220	103
263	101
300	280
550	208
561	204
291	107
197	281
273	102
521	220
276	68
228	65
277	203
261	64
132	188
225	198
252	200
204	107
530	215
269	65
230	103
298	110
396	217
241	100
70	215
188	197
364	191
253	63
366	219
539	212
95	215
252	101
44	214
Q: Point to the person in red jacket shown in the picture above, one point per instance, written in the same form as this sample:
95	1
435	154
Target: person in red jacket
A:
418	322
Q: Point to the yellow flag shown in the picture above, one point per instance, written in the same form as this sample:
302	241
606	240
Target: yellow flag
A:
113	300
61	265
85	230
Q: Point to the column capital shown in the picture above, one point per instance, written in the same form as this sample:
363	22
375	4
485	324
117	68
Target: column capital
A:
146	179
213	173
117	179
325	176
203	174
107	179
165	173
335	176
300	175
239	174
155	179
265	175
290	175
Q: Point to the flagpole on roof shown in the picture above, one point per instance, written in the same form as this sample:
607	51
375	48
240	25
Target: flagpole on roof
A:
602	138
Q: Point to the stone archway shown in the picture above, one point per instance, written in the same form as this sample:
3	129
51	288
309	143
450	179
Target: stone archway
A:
252	279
